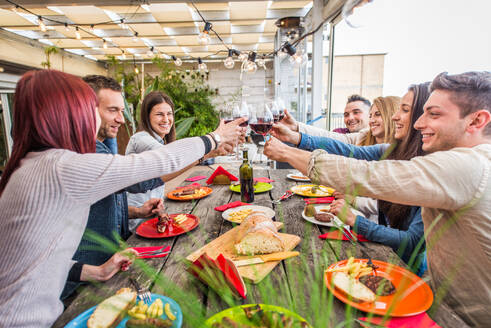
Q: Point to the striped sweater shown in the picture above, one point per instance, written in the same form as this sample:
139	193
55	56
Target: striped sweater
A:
44	210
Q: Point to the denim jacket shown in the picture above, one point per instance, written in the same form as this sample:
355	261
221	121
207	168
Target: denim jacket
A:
109	219
403	241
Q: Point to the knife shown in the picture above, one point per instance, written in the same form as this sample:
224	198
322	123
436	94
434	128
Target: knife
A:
266	258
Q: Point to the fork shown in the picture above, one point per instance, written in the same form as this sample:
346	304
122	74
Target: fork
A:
285	196
143	293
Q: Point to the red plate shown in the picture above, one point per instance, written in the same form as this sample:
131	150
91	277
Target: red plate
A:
412	295
171	195
148	229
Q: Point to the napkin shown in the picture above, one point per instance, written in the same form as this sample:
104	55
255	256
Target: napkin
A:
338	235
220	274
149	249
196	178
322	200
421	320
267	180
190	185
229	205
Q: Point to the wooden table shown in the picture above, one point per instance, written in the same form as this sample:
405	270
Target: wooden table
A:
295	284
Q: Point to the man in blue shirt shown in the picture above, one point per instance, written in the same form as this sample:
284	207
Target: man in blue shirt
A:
108	218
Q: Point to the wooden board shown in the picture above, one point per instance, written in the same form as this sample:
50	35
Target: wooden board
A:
225	245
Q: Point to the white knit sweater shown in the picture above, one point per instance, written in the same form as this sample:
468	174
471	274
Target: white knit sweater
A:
44	210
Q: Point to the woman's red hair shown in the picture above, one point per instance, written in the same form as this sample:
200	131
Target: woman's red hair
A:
52	109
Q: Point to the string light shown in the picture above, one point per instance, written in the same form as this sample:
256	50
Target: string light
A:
201	66
104	44
123	25
123	55
77	33
229	61
150	52
136	70
41	24
177	60
66	27
15	9
135	37
91	28
242	56
204	37
250	65
261	62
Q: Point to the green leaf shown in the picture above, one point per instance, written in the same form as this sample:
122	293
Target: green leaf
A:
183	126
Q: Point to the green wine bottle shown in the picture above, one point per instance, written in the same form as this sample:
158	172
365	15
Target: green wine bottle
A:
246	180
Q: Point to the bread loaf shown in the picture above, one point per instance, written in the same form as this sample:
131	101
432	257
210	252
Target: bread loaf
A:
352	287
257	234
112	310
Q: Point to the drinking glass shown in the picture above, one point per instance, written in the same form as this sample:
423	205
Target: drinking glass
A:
262	121
280	105
240	111
226	114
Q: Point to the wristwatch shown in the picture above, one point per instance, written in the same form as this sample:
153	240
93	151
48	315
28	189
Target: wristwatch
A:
217	139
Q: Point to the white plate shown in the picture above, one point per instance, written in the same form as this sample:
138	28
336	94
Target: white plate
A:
268	211
318	207
297	177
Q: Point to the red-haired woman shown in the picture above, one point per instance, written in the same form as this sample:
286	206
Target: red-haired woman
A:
50	181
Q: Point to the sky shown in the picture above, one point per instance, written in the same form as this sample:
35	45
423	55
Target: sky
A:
421	38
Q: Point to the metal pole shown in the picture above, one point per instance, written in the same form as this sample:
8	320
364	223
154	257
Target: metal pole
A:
317	56
329	75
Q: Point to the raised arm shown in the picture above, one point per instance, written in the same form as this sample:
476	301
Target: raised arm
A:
332	146
350	138
439	180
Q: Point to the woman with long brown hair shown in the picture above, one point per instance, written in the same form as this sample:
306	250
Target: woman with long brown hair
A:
50	181
381	126
156	129
399	226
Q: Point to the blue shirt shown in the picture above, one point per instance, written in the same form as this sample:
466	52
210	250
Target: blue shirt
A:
108	218
403	241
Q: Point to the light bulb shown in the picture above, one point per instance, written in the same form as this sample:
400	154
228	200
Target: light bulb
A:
202	67
123	55
150	52
229	62
137	70
123	25
135	37
15	9
66	27
104	44
261	63
77	33
91	28
204	38
41	24
177	61
243	56
281	54
251	67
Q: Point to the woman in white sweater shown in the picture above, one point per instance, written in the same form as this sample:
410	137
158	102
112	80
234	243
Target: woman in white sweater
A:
50	181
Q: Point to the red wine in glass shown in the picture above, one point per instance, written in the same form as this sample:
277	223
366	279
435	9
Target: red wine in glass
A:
243	124
228	121
261	128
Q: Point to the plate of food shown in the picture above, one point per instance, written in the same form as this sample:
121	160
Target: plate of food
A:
124	310
237	214
319	214
259	187
189	192
167	225
385	289
312	190
298	177
257	315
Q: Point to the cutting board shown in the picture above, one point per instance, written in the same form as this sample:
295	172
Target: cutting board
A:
225	245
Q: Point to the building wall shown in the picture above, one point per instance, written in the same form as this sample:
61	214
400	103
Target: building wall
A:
358	74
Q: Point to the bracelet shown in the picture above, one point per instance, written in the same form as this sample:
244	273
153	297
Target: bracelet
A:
201	160
212	135
207	143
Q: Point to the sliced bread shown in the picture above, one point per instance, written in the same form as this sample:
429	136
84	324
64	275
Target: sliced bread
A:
352	287
112	310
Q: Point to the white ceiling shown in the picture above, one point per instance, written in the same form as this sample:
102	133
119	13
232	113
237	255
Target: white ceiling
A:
172	28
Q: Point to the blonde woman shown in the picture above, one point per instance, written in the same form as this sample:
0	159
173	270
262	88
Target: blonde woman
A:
381	126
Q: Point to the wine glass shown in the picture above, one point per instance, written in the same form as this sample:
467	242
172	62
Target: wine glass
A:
240	111
262	121
280	105
226	114
274	110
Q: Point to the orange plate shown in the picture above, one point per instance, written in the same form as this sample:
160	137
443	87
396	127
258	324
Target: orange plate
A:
148	229
171	195
412	295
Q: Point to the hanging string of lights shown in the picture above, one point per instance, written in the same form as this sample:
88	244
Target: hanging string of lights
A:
249	60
